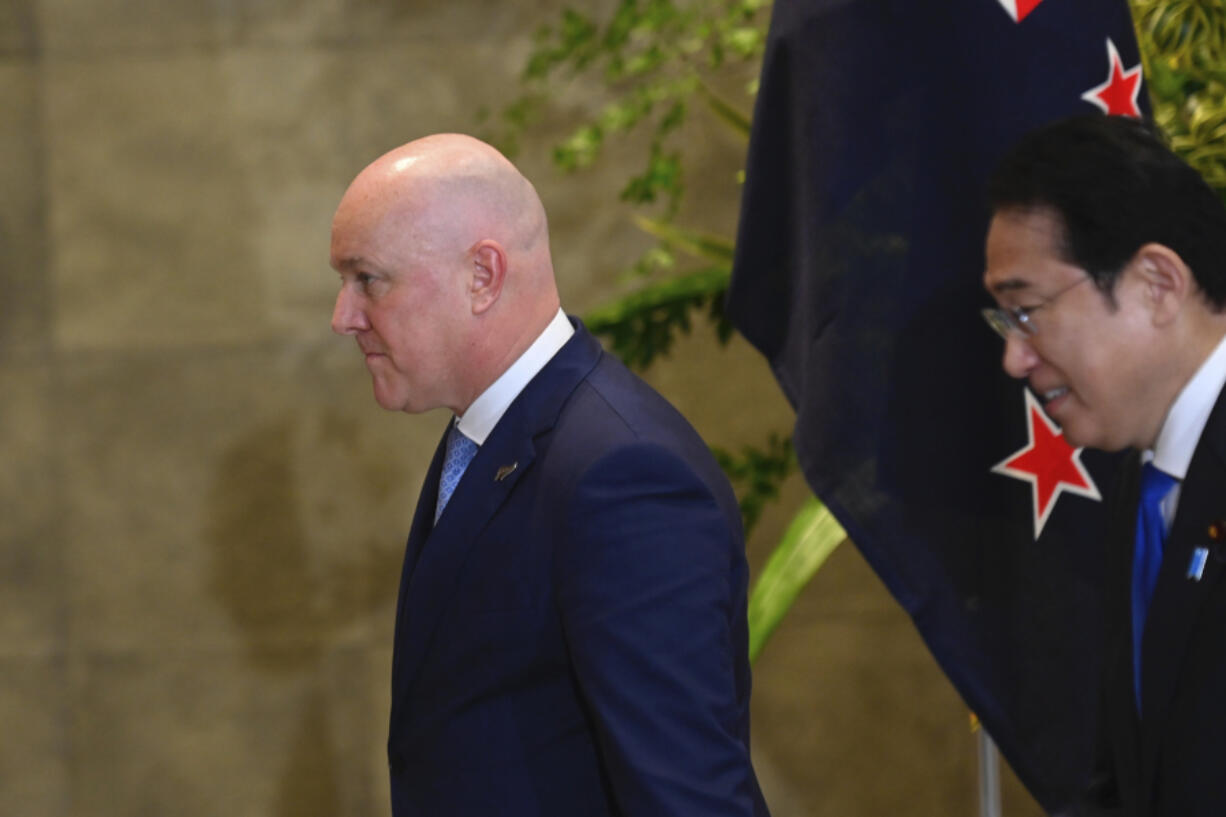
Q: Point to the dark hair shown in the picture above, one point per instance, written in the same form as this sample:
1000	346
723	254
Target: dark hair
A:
1116	186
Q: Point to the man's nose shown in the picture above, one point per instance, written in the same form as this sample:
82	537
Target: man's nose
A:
1019	358
348	318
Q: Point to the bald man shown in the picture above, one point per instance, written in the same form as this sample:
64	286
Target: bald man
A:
570	636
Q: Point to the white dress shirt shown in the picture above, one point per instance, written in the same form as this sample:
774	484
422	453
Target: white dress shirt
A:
1184	424
491	404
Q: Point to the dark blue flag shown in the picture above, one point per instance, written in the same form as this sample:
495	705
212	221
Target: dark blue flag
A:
857	274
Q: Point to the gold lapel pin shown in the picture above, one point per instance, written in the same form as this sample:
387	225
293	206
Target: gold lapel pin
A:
505	471
1200	555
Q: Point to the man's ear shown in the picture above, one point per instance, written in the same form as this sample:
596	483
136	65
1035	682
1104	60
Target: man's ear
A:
1167	281
489	268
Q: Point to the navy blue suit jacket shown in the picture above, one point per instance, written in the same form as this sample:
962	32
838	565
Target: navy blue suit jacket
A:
571	636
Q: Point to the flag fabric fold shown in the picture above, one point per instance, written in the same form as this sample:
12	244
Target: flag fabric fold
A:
857	274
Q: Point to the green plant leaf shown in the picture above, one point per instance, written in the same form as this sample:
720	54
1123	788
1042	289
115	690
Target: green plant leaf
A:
581	149
726	113
662	176
746	41
700	245
808	542
643	325
757	474
1183	46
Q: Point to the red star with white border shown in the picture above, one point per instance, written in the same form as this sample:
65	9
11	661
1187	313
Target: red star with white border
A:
1018	9
1118	93
1048	463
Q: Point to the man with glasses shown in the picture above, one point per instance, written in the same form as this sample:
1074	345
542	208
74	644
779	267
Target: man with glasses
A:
1106	256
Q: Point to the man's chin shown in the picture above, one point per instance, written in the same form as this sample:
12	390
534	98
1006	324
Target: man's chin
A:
1074	433
386	406
389	400
1077	429
1079	436
398	402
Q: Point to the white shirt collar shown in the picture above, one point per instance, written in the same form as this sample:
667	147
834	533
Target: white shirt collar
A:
1186	420
488	408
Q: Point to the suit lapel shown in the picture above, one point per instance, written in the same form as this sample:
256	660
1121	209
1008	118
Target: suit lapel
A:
1178	598
490	480
423	515
423	519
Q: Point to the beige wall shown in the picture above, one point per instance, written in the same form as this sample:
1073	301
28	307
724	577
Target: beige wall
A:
202	510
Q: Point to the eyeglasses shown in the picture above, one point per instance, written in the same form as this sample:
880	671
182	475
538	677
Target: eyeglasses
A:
1004	321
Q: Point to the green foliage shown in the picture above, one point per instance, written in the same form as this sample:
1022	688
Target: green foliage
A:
698	244
658	60
809	541
758	474
643	325
653	56
1183	45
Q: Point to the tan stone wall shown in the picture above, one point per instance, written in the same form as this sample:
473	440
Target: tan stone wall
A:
202	510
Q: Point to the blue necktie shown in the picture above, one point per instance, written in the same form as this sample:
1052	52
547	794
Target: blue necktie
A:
460	452
1147	557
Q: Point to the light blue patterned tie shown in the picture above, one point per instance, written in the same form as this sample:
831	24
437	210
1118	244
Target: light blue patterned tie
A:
460	452
1147	557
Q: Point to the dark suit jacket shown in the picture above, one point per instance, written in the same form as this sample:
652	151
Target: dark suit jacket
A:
571	637
1171	763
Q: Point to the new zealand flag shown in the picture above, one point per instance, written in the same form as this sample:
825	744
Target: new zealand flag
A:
858	267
